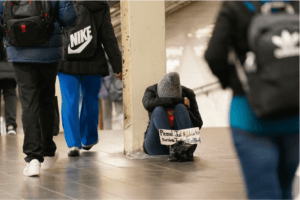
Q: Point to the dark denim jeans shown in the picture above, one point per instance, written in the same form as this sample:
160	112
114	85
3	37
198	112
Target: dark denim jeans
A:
269	163
159	120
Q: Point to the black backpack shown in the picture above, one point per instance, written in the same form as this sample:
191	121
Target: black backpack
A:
270	74
27	23
80	39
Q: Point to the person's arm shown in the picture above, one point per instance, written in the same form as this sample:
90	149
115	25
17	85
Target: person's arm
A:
151	100
193	110
216	54
107	37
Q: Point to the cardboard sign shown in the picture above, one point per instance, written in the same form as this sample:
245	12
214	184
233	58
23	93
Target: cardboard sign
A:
170	137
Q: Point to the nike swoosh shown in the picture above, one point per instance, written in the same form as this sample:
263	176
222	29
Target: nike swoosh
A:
81	48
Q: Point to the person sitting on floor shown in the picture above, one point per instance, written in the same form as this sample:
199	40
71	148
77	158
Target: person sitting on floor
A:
170	106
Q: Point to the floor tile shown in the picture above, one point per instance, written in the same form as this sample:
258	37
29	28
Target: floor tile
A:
107	174
6	195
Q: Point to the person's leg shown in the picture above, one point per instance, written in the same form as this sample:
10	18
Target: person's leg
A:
259	158
107	114
90	109
119	111
27	80
46	85
10	98
181	118
159	120
69	86
288	164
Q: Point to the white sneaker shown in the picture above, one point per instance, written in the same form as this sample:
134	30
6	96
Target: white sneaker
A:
73	152
88	147
49	162
11	130
32	168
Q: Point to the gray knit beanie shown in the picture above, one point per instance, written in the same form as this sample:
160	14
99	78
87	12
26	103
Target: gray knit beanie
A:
169	86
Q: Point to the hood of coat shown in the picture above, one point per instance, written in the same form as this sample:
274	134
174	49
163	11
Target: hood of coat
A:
94	6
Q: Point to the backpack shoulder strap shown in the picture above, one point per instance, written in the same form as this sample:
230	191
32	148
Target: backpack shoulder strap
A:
7	11
254	6
250	6
7	14
48	13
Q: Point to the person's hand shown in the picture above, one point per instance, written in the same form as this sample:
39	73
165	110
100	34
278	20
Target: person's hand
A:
119	75
186	102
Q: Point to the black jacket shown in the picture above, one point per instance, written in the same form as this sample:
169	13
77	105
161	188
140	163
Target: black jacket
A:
151	101
231	31
97	64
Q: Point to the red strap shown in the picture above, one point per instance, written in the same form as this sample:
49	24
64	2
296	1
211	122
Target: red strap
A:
170	113
23	27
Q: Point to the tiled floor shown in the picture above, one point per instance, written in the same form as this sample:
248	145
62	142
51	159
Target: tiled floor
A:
105	173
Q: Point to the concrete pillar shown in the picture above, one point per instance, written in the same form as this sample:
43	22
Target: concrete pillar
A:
144	62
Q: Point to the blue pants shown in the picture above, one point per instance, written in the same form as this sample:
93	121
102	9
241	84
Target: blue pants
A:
80	128
159	120
269	163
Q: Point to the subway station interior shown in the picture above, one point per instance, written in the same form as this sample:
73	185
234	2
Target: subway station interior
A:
156	37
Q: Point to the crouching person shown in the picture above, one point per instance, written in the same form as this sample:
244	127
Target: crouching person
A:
170	106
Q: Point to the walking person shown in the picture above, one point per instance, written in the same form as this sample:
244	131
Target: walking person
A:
170	106
111	94
8	87
82	77
35	53
267	146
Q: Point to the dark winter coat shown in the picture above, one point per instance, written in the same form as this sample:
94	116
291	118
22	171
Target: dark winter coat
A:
231	31
97	64
50	52
151	101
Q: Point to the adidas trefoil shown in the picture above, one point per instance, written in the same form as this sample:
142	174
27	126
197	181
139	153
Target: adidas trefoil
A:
288	43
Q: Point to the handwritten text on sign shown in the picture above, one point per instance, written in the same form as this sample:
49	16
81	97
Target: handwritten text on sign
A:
169	137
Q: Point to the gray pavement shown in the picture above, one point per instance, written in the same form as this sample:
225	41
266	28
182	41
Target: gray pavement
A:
105	173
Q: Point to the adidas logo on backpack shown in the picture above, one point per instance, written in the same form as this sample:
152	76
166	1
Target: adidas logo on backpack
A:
82	37
288	43
270	76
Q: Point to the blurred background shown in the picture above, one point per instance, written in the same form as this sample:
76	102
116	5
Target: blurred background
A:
188	28
189	25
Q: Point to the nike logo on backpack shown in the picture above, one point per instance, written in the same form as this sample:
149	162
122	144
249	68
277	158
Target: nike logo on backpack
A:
82	37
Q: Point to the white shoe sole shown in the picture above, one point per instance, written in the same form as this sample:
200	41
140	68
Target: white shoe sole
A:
11	133
32	174
88	147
